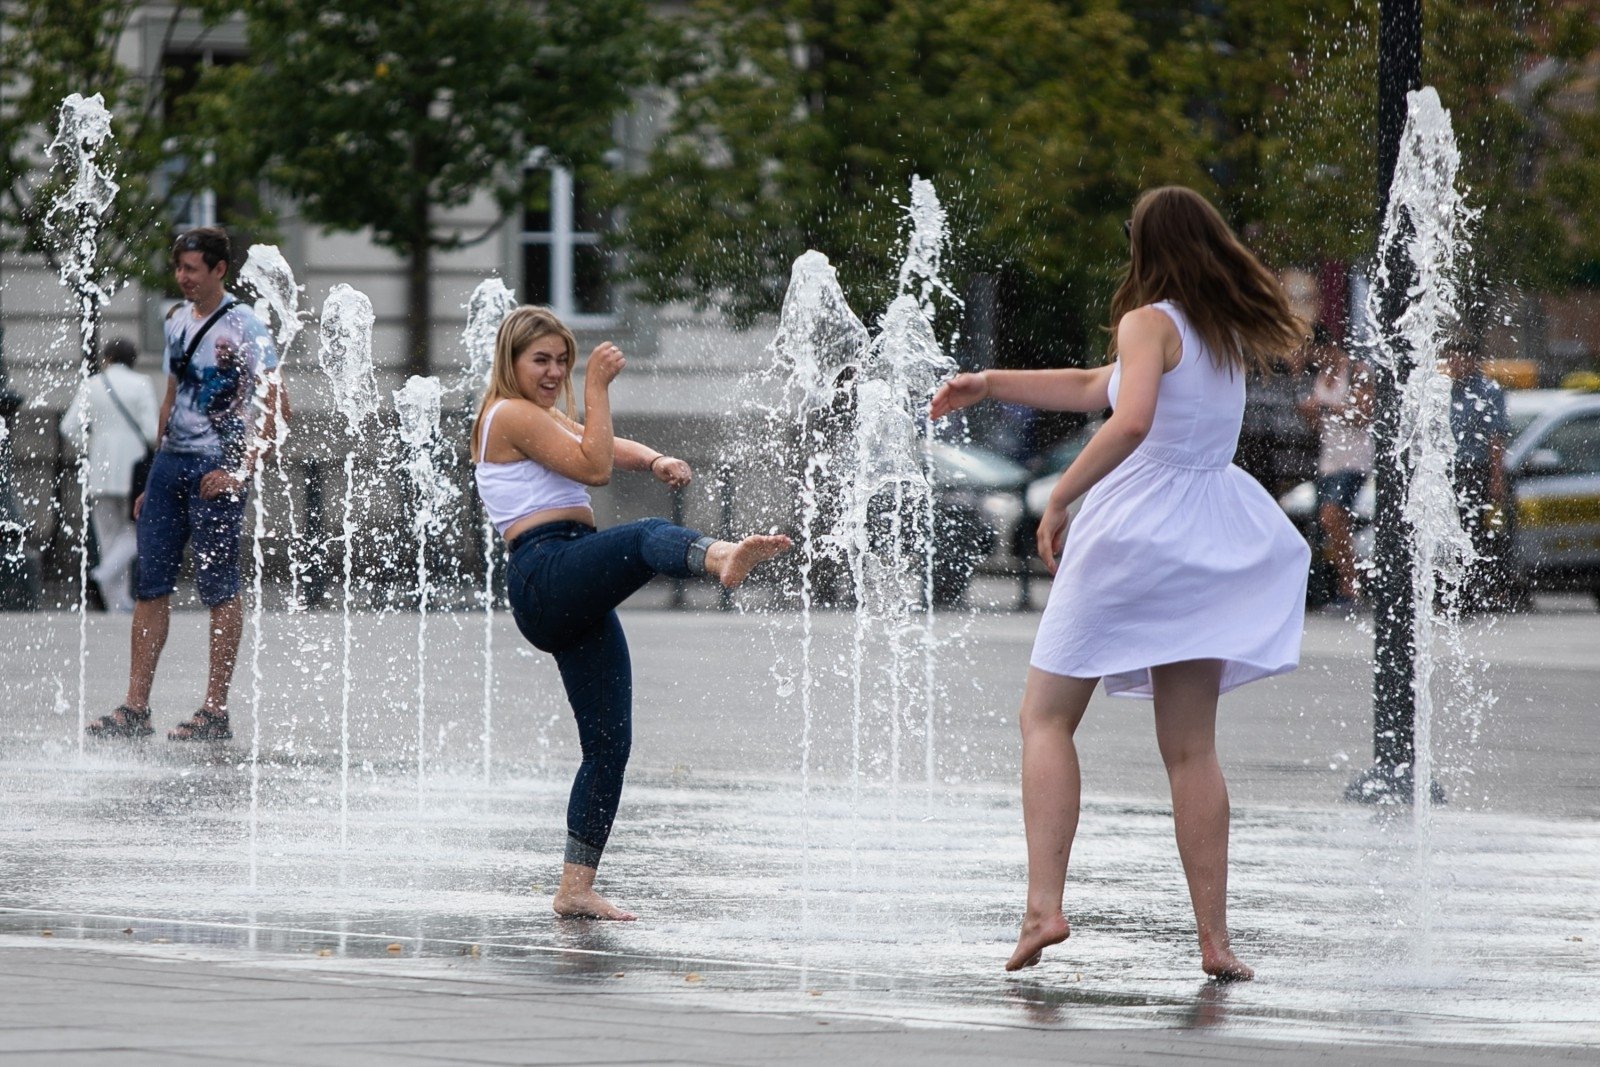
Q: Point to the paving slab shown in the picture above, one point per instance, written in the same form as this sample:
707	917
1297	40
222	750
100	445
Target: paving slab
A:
239	903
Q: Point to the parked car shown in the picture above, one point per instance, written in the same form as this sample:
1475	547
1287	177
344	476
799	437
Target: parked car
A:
980	507
1052	462
1553	468
1555	479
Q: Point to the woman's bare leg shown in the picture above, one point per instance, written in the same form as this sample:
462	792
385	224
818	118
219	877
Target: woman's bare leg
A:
1186	727
730	561
576	897
1052	707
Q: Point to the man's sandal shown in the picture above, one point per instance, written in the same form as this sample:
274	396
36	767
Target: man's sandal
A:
205	726
124	722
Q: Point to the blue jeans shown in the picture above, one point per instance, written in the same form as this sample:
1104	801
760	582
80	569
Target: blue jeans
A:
173	513
565	581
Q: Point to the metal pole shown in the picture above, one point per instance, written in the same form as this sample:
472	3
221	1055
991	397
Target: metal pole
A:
1393	701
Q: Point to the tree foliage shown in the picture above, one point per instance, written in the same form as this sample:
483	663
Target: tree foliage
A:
799	125
379	113
799	122
49	49
1299	96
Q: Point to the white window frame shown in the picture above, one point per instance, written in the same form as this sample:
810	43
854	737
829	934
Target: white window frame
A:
562	239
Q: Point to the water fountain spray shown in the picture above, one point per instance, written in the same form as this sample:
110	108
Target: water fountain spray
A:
419	403
864	487
1426	222
346	358
73	222
267	273
487	308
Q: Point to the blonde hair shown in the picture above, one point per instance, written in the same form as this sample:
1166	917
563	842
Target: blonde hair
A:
522	327
1180	249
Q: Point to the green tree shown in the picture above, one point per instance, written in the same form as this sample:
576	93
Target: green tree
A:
48	49
1300	95
799	125
377	114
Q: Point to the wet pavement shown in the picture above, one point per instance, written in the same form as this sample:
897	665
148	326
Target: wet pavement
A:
790	884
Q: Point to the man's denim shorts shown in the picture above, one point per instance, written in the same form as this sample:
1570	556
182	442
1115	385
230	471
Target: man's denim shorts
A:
172	514
1340	488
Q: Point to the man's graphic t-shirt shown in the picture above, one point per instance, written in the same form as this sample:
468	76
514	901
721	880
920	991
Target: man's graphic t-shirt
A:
212	414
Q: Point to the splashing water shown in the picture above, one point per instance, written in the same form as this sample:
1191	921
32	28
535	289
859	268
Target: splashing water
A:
346	358
487	308
1426	222
83	131
269	275
346	354
419	404
851	422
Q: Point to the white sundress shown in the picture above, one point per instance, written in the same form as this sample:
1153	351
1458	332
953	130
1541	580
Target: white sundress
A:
1177	554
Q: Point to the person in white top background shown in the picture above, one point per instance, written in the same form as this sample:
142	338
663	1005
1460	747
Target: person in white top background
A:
113	418
1181	577
1340	407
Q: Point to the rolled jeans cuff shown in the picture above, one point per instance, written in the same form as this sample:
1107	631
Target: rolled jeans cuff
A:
695	558
582	853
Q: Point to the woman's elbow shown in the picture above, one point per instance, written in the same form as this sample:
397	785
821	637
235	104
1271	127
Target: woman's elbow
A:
1133	431
597	478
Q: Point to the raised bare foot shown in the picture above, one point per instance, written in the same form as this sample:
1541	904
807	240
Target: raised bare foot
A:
587	904
1224	966
733	564
1038	934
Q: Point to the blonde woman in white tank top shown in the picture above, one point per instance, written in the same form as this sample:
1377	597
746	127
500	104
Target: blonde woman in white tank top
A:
1181	578
565	578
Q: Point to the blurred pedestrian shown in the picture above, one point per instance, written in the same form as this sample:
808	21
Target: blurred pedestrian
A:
1340	408
113	419
1481	430
1276	446
218	355
1181	578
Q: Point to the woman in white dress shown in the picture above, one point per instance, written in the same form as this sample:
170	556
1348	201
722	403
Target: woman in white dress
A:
1181	578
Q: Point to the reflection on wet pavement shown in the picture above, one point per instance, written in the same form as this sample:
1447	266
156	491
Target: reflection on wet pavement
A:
903	905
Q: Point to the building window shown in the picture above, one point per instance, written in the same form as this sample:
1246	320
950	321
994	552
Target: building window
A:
564	264
180	74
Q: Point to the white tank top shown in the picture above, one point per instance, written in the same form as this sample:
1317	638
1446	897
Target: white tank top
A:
515	490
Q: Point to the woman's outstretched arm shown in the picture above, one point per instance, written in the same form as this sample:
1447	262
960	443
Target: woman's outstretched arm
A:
1066	389
669	470
1146	341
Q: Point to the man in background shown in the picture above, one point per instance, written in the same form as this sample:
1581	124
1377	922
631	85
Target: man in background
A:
218	355
1481	430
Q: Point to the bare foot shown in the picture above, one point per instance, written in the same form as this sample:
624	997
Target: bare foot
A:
587	904
1224	966
734	560
1037	935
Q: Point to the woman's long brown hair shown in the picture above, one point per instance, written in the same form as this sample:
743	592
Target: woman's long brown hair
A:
1181	250
519	329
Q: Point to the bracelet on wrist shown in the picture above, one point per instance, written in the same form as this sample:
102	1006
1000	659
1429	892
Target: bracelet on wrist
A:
658	459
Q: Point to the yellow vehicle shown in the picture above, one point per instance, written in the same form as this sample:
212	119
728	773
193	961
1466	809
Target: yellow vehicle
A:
1555	476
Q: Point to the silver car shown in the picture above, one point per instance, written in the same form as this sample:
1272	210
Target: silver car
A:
1554	463
1555	475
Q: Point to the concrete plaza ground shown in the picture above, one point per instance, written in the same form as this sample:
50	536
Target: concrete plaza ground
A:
201	908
